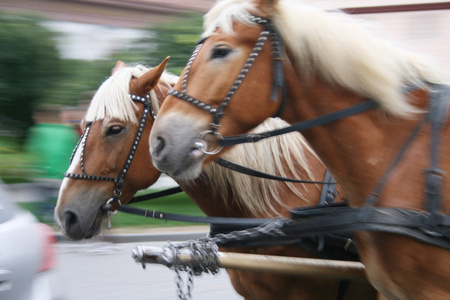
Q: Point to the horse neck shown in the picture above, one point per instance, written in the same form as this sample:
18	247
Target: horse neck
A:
357	149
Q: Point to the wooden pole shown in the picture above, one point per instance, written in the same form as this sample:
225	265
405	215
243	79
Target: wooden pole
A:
258	263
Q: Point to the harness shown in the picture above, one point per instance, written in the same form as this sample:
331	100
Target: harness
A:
429	226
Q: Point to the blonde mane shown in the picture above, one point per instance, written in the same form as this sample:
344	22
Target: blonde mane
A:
112	100
256	195
339	48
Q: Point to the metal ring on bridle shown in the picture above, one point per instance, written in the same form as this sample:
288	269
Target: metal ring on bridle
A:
205	149
107	206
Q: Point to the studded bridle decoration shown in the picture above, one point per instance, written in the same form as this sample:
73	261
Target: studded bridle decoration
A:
119	181
278	82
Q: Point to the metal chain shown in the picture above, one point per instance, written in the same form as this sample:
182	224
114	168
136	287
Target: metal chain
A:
204	260
189	284
204	254
178	267
271	229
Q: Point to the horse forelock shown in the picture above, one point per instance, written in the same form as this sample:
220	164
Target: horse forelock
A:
282	155
224	13
112	97
342	49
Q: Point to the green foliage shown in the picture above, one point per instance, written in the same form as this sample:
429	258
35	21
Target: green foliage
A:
77	78
32	73
29	65
176	38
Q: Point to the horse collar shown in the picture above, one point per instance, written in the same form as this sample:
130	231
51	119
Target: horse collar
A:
119	181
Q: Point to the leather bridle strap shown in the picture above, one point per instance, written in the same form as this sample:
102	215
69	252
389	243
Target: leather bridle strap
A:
119	181
278	80
82	142
308	124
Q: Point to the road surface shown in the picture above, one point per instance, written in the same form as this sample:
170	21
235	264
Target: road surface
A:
97	270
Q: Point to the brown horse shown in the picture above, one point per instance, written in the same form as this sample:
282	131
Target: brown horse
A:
218	191
331	62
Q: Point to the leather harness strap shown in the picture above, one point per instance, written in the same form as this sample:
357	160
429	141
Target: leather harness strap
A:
437	117
325	119
252	172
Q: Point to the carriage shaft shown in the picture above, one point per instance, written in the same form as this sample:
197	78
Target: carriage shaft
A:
253	262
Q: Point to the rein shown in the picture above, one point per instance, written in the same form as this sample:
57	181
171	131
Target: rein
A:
255	173
325	119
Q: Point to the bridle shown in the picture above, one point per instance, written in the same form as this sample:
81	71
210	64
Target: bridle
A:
278	84
278	87
423	226
119	180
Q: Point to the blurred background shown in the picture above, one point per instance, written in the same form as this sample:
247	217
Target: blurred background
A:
54	55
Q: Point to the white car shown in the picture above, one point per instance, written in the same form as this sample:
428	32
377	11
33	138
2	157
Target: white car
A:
28	256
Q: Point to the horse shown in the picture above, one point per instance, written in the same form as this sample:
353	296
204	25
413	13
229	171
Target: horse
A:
259	58
113	119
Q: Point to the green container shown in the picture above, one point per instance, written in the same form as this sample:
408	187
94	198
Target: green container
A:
51	146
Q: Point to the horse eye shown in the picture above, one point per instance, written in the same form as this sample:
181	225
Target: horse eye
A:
220	51
114	130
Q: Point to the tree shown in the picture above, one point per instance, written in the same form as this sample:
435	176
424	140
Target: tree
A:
175	38
29	66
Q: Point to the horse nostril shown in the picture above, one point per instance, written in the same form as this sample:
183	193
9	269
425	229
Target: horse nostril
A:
160	144
70	218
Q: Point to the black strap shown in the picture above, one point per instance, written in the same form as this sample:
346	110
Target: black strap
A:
373	197
343	287
187	218
248	171
329	193
155	195
325	119
342	220
120	180
434	176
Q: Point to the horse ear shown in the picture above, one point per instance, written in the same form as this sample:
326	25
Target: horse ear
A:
149	80
119	65
267	7
82	123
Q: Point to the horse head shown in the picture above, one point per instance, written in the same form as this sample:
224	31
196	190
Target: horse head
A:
111	158
234	52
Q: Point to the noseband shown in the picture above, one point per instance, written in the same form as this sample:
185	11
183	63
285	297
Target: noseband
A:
119	181
278	86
